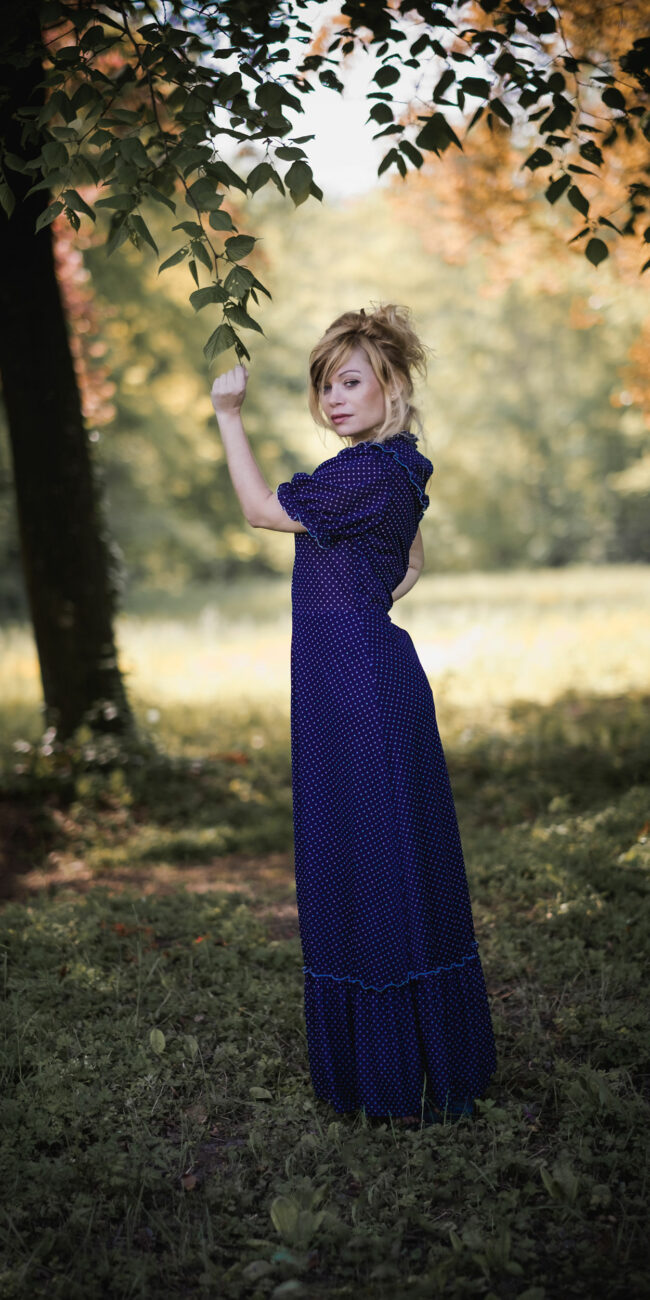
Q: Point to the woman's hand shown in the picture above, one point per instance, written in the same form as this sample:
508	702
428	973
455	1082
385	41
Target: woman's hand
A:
228	390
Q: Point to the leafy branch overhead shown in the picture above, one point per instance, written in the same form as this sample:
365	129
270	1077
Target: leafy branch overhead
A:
140	100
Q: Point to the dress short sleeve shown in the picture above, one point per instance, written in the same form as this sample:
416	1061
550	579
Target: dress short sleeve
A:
343	497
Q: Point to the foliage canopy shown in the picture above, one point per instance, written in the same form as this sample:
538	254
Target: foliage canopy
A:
138	99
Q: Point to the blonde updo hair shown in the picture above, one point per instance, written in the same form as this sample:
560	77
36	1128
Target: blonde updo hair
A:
393	350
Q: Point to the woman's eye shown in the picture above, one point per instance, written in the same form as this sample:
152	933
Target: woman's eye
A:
351	383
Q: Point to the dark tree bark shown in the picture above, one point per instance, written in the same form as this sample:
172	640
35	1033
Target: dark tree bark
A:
70	582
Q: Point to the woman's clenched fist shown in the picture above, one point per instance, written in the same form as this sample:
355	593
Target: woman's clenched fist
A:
228	390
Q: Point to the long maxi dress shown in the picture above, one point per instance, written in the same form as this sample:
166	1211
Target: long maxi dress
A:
396	1008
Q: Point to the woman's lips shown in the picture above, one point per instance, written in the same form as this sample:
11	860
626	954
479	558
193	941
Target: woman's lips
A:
337	419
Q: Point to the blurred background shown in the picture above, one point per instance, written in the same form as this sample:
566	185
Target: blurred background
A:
537	539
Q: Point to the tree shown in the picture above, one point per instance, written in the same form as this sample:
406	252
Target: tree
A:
66	557
110	104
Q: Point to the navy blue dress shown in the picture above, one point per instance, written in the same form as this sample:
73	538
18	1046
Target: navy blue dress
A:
396	1008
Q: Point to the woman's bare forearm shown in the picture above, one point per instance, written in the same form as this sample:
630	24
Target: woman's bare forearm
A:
246	476
409	580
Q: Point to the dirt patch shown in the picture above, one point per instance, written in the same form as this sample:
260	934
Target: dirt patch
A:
268	882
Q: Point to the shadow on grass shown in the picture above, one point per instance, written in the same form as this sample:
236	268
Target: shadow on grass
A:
94	809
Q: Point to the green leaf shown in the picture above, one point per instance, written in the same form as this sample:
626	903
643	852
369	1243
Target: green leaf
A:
557	188
260	1094
222	339
239	246
92	38
74	200
157	1041
239	316
54	155
50	182
153	193
577	198
7	200
211	293
613	98
191	228
501	111
118	233
15	163
604	221
284	1216
240	280
199	250
144	232
419	45
83	95
49	215
91	169
436	134
193	271
381	113
591	152
125	116
388	160
203	195
259	176
298	181
386	76
269	95
596	251
476	86
192	1045
538	158
175	258
412	153
221	221
580	234
123	202
445	82
222	172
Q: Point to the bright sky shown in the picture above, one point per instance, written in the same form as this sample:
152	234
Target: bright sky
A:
343	156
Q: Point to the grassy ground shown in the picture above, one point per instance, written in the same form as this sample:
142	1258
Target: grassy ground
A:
161	1136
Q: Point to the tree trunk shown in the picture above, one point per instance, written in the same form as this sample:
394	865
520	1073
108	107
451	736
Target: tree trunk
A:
70	582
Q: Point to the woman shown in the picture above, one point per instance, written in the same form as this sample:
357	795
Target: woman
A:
396	1009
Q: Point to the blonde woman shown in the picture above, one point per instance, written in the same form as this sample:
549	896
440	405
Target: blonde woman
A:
396	1009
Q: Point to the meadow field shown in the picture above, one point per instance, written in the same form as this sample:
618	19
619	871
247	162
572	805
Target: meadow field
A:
161	1136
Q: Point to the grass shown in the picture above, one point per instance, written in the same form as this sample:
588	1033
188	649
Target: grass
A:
161	1136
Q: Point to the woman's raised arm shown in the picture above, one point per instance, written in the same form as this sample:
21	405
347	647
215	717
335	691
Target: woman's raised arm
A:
259	503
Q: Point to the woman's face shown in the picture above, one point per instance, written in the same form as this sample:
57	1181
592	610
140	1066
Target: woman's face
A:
353	399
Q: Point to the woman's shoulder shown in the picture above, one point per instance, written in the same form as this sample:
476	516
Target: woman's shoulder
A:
402	450
378	464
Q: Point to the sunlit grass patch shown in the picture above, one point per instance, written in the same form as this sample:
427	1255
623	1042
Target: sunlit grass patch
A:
483	638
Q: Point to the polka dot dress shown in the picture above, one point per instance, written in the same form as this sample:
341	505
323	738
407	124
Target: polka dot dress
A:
396	1008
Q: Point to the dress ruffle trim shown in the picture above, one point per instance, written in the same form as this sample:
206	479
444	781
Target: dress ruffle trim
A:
412	975
384	1052
285	490
424	500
